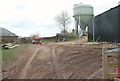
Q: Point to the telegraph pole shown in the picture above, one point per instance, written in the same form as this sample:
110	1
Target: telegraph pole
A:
93	30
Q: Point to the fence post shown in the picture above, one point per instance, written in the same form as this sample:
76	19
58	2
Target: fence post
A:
104	64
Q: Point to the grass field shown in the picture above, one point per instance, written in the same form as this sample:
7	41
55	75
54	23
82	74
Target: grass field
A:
8	54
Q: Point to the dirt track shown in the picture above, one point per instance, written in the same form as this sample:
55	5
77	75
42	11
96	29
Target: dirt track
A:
56	61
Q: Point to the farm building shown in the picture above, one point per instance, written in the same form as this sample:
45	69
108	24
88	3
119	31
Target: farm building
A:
106	26
7	36
24	40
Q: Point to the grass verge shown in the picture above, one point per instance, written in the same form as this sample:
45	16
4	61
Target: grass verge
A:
8	54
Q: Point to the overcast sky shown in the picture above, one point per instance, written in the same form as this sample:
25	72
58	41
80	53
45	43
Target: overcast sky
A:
26	17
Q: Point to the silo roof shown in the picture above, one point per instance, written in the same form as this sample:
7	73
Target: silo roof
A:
5	32
83	5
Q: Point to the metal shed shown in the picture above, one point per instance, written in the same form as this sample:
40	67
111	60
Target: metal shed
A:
106	26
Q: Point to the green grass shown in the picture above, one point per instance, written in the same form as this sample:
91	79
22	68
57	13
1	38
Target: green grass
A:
8	54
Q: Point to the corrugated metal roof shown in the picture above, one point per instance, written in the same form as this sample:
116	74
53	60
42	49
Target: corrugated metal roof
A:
5	32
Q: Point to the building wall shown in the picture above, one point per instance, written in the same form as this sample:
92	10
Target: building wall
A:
9	39
106	26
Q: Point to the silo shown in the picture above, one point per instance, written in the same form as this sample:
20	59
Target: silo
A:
82	14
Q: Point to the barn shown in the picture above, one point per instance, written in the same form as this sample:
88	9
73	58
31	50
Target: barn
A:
106	26
6	36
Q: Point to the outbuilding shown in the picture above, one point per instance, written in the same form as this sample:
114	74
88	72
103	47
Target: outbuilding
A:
6	36
106	26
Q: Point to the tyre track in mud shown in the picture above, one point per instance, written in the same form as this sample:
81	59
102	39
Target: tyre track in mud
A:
28	63
80	64
49	64
41	65
45	65
11	69
53	61
56	65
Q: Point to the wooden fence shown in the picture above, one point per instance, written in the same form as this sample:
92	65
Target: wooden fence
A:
110	63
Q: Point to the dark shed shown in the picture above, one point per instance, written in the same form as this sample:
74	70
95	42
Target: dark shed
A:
106	26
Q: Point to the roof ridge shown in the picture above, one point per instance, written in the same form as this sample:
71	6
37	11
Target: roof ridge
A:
5	32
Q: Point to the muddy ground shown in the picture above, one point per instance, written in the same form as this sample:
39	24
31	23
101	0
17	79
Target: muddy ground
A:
56	61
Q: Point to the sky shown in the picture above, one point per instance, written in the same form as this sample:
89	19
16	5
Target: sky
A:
28	17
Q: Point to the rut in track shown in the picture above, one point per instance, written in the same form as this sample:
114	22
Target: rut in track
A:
45	65
57	67
53	61
24	70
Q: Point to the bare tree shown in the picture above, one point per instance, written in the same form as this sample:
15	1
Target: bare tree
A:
63	19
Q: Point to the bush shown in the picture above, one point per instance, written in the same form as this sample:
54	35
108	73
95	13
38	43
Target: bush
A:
68	37
71	37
